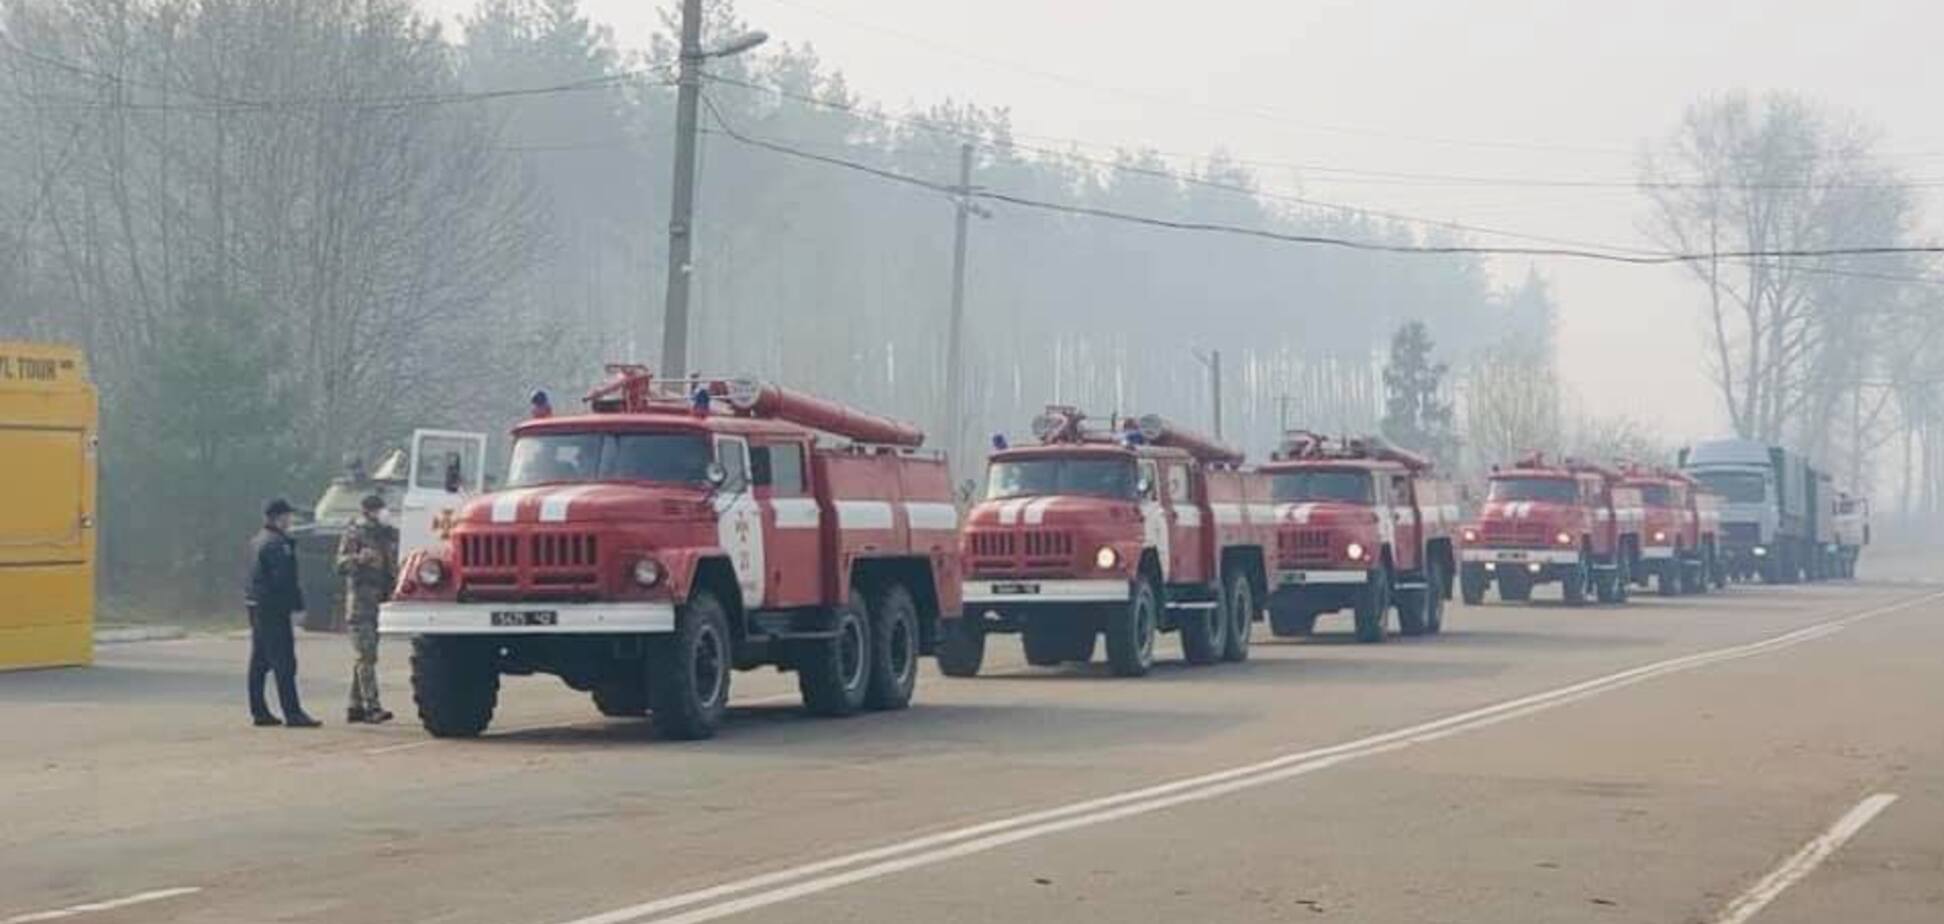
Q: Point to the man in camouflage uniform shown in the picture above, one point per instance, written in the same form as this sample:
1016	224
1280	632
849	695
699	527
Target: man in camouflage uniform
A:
368	558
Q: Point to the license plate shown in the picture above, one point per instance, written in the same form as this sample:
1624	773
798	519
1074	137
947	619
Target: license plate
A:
1015	589
1511	556
1295	577
526	618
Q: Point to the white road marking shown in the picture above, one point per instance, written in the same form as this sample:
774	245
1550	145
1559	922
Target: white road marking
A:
109	905
824	875
546	726
1804	861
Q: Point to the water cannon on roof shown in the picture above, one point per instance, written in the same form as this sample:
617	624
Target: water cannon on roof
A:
633	389
1158	431
1298	445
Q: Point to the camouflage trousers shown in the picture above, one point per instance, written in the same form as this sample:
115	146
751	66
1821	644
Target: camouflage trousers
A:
364	666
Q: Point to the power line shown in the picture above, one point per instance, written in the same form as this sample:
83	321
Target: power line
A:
1637	259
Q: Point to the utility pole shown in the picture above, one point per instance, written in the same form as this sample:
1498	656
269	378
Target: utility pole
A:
1213	360
681	209
955	325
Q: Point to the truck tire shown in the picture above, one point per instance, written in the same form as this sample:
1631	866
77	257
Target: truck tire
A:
1130	631
688	671
834	674
1572	584
1291	620
1373	606
1204	633
894	649
1239	607
1434	603
623	698
1472	583
961	647
455	685
1412	603
1514	587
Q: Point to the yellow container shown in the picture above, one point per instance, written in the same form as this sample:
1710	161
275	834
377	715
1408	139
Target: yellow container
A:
47	506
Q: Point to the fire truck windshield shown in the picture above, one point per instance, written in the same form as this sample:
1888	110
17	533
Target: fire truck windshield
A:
1657	495
1735	487
1034	477
556	458
1348	487
1554	490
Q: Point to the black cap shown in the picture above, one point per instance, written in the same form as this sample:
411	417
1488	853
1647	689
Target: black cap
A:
276	508
372	502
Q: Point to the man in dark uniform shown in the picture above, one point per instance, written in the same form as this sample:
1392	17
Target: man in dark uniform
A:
368	559
274	597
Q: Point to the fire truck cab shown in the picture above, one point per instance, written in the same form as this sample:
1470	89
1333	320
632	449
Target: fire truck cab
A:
1680	528
676	531
1123	532
1572	522
1364	526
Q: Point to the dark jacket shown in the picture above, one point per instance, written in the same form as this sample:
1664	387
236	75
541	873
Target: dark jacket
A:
272	584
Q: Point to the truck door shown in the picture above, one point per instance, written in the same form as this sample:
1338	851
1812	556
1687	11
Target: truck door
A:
739	519
1407	527
1155	528
446	467
1187	539
791	520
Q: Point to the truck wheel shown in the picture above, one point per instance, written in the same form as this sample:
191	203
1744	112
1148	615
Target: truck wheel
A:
961	647
688	671
834	674
1434	601
1373	606
1412	604
455	684
1204	633
1667	578
623	697
1514	587
1130	632
1472	583
894	649
1239	607
1291	620
1572	584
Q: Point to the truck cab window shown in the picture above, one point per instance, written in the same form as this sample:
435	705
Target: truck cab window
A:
778	467
733	455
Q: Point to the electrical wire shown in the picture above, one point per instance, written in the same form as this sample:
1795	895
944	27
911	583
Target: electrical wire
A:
1636	259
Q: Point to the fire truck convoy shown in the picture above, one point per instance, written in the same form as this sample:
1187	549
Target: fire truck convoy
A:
681	529
1361	525
1572	522
1679	534
1122	532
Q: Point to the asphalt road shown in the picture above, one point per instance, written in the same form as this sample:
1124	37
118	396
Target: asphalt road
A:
1770	754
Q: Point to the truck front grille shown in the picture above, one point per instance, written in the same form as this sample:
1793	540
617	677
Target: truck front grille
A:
1303	546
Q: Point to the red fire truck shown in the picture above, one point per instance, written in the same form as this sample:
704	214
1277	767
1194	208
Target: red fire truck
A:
678	530
1678	533
1118	531
1362	525
1573	522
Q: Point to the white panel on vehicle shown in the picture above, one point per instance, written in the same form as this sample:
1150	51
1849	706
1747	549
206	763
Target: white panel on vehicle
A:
1009	510
506	505
739	521
796	513
1188	516
863	514
1227	514
1036	510
555	504
931	515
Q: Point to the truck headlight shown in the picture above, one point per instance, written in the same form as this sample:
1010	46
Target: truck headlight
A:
1106	558
1564	538
431	572
1660	535
1470	535
1761	551
1354	551
647	572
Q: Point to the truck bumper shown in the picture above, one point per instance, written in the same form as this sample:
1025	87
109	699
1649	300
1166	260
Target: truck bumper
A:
1656	552
1296	577
410	618
1012	592
1520	556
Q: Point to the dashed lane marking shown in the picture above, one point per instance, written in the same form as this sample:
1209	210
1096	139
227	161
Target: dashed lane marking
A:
1804	861
112	904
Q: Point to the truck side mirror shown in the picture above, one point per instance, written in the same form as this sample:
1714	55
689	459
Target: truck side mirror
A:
715	475
1144	486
